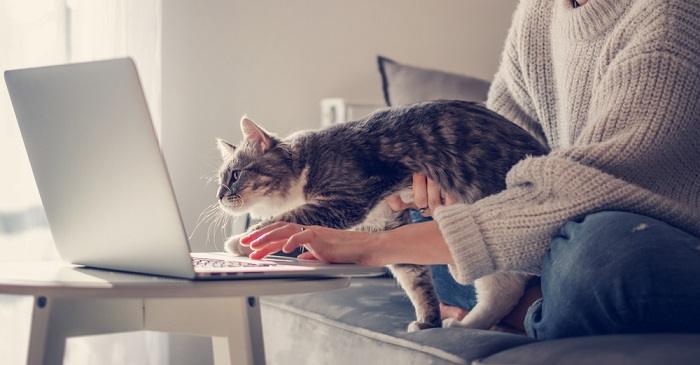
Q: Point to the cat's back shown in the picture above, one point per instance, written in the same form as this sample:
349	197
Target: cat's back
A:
427	129
444	123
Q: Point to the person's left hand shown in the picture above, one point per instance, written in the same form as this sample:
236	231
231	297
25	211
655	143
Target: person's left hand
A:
427	195
325	244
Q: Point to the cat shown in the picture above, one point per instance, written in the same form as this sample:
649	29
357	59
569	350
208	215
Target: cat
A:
339	176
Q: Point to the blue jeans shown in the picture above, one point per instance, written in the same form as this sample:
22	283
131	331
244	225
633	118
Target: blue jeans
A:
609	272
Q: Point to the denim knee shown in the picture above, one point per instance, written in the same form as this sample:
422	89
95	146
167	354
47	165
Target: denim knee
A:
611	272
451	292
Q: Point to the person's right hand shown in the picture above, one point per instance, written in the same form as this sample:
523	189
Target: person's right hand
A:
324	244
427	195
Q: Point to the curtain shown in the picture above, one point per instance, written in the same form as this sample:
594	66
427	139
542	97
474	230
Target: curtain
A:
32	33
44	32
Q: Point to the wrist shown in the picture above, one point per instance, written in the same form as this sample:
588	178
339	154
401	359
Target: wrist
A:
419	243
379	249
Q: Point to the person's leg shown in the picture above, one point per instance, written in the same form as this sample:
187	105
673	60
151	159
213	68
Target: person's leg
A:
451	292
618	272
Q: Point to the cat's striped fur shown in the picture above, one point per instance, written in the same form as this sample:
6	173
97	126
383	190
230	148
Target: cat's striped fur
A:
339	176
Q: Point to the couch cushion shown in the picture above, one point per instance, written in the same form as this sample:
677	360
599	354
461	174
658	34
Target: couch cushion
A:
676	349
366	323
403	84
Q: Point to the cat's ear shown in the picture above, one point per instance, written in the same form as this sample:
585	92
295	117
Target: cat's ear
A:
226	149
255	134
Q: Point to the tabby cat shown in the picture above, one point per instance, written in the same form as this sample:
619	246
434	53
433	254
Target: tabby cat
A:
339	176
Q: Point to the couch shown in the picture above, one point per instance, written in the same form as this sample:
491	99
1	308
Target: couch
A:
366	323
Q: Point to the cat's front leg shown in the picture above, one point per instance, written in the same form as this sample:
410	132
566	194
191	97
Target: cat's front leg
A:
264	223
233	243
337	214
417	282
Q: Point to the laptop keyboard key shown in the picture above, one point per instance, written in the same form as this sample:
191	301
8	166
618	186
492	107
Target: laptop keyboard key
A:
207	263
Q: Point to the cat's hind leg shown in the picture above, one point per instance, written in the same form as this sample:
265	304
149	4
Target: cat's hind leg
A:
496	295
417	282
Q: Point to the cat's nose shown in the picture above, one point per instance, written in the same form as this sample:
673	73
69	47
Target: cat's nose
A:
221	193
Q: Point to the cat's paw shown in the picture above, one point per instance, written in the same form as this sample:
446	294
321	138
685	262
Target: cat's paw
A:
452	322
417	326
233	245
466	323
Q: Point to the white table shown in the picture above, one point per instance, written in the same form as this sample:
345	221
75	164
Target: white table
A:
73	301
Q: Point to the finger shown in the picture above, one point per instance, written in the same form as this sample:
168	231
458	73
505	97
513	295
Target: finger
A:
449	200
434	198
298	239
307	256
268	249
448	311
315	254
278	234
259	232
395	202
420	193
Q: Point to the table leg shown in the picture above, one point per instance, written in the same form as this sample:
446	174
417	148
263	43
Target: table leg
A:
56	319
226	349
38	331
233	323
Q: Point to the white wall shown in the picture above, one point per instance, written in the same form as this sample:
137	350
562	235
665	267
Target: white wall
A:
276	59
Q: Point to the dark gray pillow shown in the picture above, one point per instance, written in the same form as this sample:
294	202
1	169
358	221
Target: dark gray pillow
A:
403	84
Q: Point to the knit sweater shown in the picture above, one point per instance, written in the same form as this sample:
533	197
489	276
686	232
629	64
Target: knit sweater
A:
613	87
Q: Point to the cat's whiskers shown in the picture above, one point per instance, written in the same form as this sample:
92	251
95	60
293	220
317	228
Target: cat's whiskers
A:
203	217
217	223
214	216
225	225
211	229
221	223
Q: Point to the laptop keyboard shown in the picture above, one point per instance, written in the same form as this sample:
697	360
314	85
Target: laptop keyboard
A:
207	263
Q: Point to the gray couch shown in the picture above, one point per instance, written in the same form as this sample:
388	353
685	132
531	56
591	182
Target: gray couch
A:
366	324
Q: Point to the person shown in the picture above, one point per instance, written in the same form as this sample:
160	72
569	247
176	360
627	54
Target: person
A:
610	218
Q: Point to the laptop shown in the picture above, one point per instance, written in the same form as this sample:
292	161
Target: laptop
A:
103	180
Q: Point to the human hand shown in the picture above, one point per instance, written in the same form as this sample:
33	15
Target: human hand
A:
324	244
427	195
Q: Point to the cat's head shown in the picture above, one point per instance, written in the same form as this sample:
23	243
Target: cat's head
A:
255	174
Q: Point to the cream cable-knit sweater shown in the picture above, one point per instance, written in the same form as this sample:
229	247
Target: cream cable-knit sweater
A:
613	87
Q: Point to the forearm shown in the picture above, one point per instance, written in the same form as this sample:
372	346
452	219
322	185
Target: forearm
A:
420	243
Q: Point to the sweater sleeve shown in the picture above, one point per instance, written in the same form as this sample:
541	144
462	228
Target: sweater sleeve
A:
641	131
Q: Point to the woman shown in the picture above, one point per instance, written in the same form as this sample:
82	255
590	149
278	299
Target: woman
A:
610	218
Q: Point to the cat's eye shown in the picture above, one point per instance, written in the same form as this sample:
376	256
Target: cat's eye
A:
235	174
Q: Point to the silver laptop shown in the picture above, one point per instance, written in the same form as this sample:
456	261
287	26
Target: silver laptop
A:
104	183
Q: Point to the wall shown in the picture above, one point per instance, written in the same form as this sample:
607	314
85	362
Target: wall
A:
276	59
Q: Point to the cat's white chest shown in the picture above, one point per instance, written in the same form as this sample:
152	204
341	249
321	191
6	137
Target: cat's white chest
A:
270	206
377	218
